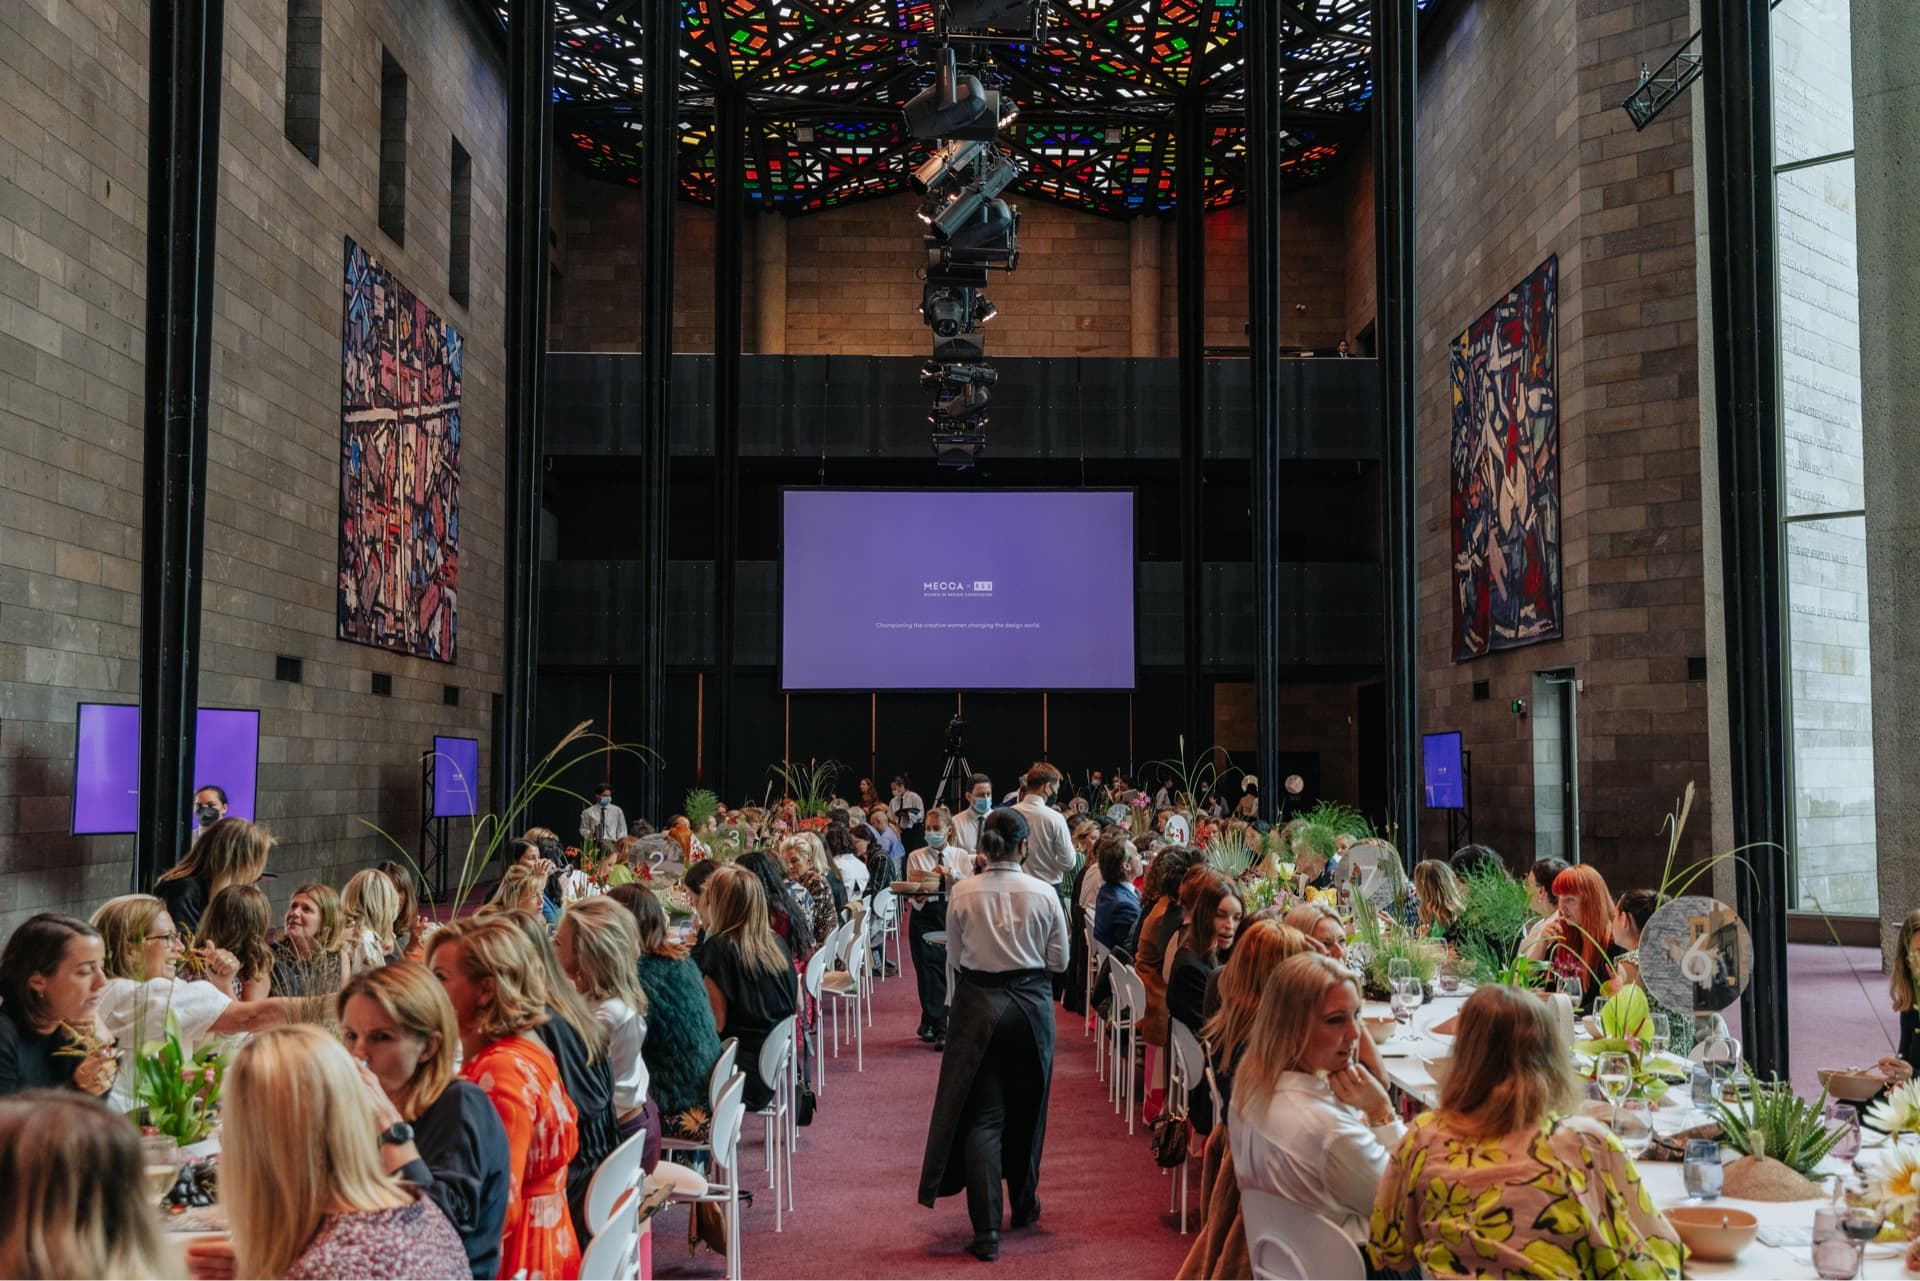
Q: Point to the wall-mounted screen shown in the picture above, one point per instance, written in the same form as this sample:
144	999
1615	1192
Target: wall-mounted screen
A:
957	589
456	776
106	775
1440	765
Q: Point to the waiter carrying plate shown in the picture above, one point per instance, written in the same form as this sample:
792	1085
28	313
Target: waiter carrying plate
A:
1006	934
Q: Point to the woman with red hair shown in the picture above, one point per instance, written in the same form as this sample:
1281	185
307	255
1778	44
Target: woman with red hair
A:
1577	944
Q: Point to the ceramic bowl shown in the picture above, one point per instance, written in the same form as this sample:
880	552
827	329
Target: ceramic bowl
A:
1851	1087
1715	1234
1438	1069
1379	1026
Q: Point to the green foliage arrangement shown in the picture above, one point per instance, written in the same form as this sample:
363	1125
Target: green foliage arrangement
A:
1775	1122
1229	852
1320	829
179	1093
1199	780
809	784
1490	926
700	805
1390	941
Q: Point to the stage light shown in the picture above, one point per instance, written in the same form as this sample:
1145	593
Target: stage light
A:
953	162
996	15
958	449
995	172
984	311
963	109
946	310
990	240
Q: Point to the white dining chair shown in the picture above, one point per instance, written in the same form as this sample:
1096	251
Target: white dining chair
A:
613	1255
1287	1241
723	1174
776	1069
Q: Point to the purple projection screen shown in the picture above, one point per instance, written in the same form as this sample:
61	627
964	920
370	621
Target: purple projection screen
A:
106	775
456	776
957	589
1440	761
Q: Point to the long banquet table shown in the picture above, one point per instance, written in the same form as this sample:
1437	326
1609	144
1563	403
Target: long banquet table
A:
1405	1062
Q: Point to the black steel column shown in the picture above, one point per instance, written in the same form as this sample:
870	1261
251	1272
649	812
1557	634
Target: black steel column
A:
529	155
1746	329
1395	81
1264	39
183	139
730	217
659	179
1190	227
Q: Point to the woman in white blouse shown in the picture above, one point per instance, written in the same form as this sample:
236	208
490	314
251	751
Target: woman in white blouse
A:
1308	1122
598	944
370	910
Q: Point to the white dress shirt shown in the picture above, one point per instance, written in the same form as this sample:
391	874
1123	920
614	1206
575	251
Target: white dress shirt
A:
853	874
603	823
964	831
1307	1146
908	808
1003	919
1049	843
626	1034
133	1013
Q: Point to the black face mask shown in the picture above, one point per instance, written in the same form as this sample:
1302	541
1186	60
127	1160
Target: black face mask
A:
208	814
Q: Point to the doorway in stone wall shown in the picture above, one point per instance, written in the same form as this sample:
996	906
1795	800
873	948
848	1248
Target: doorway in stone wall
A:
1556	766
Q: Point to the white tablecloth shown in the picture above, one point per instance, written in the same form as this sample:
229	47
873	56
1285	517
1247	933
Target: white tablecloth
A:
1664	1179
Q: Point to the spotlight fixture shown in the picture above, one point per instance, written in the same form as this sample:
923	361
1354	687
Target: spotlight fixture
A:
994	173
947	309
954	106
960	391
958	450
951	163
995	16
990	240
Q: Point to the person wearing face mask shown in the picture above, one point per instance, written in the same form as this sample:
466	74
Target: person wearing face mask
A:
603	821
937	858
1050	844
209	807
965	830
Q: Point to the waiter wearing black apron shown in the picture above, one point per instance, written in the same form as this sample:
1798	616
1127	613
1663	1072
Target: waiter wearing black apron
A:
1007	934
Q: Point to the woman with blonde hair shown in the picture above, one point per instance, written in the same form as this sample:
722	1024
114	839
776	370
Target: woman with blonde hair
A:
231	852
748	970
522	888
396	1021
236	922
369	909
598	946
498	989
77	1192
1440	899
682	1042
141	952
1901	988
1309	1123
796	856
306	956
1565	1189
1321	925
410	925
302	1181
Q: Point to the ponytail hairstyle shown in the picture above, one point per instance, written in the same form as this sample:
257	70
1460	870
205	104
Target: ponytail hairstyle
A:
1003	836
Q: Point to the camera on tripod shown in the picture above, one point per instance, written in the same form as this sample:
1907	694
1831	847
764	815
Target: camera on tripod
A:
955	728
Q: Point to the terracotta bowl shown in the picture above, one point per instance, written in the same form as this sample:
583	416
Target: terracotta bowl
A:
1715	1234
1438	1069
1379	1026
1851	1087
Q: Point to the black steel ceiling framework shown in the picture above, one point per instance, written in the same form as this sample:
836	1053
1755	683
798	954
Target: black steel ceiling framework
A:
183	170
529	135
1746	334
1265	42
730	216
821	83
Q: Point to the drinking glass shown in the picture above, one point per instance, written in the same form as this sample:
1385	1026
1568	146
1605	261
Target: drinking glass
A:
1846	1118
1402	1008
1448	979
1614	1071
1572	988
1662	1038
1399	969
1411	994
1633	1126
1861	1223
1833	1252
1704	1173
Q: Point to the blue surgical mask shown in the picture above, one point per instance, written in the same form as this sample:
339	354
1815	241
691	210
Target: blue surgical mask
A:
982	804
606	800
936	840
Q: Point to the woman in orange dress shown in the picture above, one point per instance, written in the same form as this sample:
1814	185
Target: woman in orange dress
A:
498	990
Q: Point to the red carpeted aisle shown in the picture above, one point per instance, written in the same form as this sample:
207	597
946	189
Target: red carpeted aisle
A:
857	1170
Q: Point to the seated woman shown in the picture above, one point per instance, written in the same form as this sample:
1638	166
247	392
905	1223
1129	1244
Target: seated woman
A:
1539	882
51	977
1309	1123
1499	1181
369	914
1117	909
1321	925
1440	900
498	989
77	1191
796	855
1576	945
1630	917
302	1180
597	945
398	1022
1204	947
236	922
306	956
749	973
1901	986
682	1042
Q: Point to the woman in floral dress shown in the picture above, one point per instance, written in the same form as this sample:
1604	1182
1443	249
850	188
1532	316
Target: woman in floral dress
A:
498	990
1499	1182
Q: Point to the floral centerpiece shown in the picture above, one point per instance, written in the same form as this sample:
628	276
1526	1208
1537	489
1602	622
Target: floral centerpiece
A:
1892	1173
181	1093
1626	1027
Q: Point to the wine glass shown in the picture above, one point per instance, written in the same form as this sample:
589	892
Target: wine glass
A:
1861	1222
1409	992
1704	1173
1633	1126
1399	969
1614	1071
1661	1039
1572	988
1845	1118
1448	979
1402	1008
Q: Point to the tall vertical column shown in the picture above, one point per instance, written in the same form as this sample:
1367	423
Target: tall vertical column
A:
1396	86
1143	279
659	178
1746	332
183	169
1190	178
529	134
770	283
1264	39
729	239
1886	100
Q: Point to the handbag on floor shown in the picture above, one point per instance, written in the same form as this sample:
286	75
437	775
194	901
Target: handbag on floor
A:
1169	1139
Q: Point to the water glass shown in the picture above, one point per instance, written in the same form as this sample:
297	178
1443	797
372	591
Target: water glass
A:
1448	979
1572	988
1662	1038
1845	1118
1633	1126
1399	969
1704	1173
1836	1256
1614	1072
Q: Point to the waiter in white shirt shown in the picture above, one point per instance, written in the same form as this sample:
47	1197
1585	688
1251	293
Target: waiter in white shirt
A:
910	812
938	857
966	824
1007	934
603	821
1050	845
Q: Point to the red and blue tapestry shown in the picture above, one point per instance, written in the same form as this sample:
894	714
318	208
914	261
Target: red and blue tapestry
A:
1506	472
399	466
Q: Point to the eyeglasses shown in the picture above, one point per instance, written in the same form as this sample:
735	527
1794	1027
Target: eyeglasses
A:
171	936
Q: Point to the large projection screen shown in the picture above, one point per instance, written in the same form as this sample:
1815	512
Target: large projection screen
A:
957	589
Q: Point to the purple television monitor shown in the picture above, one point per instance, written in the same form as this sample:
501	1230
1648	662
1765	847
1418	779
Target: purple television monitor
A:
1440	764
456	776
106	777
957	589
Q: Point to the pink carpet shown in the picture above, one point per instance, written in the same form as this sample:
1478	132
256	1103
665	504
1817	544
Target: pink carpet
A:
857	1171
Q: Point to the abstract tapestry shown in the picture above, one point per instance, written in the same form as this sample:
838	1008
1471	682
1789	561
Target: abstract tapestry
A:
399	466
1506	472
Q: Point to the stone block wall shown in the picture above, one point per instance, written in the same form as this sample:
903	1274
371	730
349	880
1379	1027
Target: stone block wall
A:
334	757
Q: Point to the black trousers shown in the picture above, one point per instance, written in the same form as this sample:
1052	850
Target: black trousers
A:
1007	1097
929	961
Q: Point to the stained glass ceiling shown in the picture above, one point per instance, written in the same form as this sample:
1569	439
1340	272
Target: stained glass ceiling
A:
823	81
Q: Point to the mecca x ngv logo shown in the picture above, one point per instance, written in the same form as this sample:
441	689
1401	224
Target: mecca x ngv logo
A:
945	587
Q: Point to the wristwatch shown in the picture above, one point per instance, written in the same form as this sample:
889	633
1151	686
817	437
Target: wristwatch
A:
396	1134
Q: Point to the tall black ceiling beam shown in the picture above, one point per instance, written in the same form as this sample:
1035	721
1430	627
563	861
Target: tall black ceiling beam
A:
1266	154
659	185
